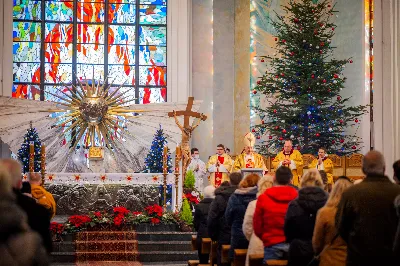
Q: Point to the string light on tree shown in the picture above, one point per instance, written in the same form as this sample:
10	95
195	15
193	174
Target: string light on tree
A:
31	137
154	159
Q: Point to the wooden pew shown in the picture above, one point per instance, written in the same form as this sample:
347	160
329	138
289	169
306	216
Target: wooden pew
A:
277	262
225	253
206	245
193	263
239	258
194	243
257	260
213	253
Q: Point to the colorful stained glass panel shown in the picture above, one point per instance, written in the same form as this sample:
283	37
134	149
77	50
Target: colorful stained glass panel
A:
26	51
59	11
58	73
90	12
57	32
153	75
85	71
152	95
152	35
31	92
57	90
152	14
121	54
26	31
122	1
27	9
153	2
58	52
122	13
26	72
122	74
129	94
91	1
90	33
118	34
90	54
153	55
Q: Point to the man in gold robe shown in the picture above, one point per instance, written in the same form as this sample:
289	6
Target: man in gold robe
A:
249	158
219	166
291	158
323	163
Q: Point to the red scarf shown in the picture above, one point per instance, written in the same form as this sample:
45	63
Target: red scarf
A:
290	153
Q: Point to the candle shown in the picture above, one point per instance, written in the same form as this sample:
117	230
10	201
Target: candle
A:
31	158
165	158
43	158
177	158
31	149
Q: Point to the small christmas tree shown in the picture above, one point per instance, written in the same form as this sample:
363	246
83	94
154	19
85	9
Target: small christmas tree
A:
31	137
302	85
186	212
189	180
154	159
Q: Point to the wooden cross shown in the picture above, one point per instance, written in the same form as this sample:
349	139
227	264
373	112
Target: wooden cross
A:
188	113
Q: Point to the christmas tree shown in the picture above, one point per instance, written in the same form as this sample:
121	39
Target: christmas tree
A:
302	85
154	159
31	137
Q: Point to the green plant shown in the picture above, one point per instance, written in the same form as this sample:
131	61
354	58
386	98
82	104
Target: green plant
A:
189	180
186	212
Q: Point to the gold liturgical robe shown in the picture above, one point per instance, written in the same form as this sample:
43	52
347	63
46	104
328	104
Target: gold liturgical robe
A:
220	174
327	166
241	162
296	164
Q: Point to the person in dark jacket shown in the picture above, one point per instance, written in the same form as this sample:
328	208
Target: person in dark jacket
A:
200	220
300	218
396	178
366	218
236	210
38	216
218	229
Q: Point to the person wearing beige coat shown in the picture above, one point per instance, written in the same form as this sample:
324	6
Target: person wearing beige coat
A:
256	245
325	230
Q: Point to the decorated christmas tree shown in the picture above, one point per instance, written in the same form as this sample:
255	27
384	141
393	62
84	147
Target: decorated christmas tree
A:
154	159
31	137
302	85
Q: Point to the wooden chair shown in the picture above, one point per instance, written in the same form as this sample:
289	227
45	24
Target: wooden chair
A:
193	263
271	168
213	253
267	162
194	243
307	160
277	262
225	253
239	258
339	168
206	245
353	166
256	259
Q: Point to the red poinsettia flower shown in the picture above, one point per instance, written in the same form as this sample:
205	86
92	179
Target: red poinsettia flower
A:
155	221
79	220
97	214
118	220
137	213
121	210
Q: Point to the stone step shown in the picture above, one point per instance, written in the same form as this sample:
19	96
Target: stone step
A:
164	246
170	256
106	235
164	236
106	246
64	246
62	257
107	256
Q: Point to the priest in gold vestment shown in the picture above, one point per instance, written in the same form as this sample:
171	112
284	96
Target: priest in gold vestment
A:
290	158
323	163
249	158
219	166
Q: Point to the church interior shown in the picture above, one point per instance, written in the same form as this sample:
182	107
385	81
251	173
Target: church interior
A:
165	132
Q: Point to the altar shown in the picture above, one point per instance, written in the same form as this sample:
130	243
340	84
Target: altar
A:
80	193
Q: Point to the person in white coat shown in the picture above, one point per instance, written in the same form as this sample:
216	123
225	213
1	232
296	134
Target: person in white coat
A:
256	245
199	169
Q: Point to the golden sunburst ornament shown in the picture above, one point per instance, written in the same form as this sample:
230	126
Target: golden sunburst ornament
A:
93	111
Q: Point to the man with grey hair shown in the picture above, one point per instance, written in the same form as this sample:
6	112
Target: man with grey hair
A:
366	218
38	216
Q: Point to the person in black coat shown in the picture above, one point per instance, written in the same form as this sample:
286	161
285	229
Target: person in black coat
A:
366	218
300	218
200	220
236	210
218	229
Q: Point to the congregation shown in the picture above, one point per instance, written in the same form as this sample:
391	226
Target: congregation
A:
306	223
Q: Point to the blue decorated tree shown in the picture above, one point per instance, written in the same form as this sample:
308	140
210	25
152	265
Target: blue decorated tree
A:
154	159
31	136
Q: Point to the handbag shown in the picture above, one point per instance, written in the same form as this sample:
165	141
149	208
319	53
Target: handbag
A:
315	261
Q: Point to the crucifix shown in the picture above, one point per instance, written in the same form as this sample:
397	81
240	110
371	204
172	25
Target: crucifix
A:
187	130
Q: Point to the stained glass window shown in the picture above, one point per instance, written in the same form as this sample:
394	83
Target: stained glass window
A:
57	41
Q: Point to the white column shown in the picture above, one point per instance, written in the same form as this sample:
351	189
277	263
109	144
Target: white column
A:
179	50
386	80
6	54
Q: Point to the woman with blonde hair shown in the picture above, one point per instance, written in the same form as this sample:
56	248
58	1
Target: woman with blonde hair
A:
325	233
236	209
300	218
256	246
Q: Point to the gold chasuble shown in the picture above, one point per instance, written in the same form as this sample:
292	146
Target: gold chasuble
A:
296	164
327	166
254	160
219	174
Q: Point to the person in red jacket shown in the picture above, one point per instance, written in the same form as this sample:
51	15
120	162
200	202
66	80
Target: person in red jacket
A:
269	217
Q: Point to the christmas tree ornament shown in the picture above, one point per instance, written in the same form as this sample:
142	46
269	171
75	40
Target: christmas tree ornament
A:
356	120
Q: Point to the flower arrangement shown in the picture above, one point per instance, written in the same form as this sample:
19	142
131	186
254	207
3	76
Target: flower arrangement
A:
119	218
